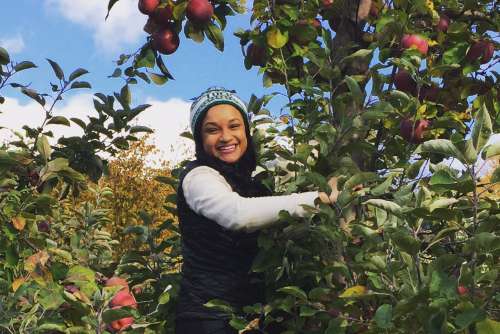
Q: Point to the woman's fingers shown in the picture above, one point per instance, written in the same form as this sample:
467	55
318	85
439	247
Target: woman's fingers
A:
323	197
332	182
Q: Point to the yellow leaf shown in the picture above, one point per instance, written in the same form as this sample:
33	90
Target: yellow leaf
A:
17	283
275	38
354	291
19	223
39	258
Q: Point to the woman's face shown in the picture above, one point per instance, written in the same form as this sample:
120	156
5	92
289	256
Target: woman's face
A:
223	133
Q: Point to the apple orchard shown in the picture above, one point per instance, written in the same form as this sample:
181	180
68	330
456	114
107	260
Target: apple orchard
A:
401	97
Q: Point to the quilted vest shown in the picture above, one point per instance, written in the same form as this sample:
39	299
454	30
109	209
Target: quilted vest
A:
216	263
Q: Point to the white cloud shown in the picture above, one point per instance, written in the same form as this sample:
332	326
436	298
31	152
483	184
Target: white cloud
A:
167	118
123	26
12	44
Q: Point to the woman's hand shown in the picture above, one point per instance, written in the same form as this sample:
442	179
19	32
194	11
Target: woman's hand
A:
334	194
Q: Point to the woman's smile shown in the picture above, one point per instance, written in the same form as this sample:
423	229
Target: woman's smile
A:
223	133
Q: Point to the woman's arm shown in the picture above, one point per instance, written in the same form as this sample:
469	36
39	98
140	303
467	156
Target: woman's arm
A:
208	194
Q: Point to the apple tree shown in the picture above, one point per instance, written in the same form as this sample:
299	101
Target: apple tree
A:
400	97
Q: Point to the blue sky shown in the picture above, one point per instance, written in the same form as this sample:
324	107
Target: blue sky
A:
74	33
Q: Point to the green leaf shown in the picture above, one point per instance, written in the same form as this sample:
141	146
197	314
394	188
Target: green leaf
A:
34	95
158	78
80	84
294	291
455	54
4	56
214	34
111	3
355	90
139	128
442	203
116	314
361	53
441	146
495	176
57	69
125	94
164	298
468	317
59	120
405	242
383	204
488	326
383	316
219	305
482	128
307	311
491	150
77	73
51	327
146	58
24	65
43	147
360	178
275	38
163	68
79	122
193	32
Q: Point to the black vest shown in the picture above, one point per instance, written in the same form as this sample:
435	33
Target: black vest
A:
216	263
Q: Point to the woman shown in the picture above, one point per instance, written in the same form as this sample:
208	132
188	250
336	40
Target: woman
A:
220	209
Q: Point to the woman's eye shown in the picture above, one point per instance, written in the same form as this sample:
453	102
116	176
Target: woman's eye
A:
211	130
235	126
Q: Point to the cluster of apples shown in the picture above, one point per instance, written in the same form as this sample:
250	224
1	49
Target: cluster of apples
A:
165	38
122	298
480	51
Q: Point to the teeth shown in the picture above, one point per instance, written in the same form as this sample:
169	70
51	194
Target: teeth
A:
227	148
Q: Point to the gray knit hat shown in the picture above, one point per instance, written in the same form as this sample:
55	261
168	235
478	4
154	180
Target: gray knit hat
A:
214	96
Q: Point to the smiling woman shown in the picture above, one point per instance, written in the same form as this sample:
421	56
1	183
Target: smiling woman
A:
220	209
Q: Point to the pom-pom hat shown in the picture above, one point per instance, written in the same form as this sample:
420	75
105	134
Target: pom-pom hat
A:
211	97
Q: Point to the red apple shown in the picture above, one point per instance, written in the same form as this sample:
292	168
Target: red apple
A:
121	324
257	55
374	10
326	3
413	132
482	50
199	11
43	226
163	16
123	298
429	93
117	281
165	41
444	22
462	290
404	82
147	7
303	32
415	41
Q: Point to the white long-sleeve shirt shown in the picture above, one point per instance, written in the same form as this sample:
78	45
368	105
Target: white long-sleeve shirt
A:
208	194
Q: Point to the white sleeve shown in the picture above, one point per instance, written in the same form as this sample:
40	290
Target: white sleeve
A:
208	194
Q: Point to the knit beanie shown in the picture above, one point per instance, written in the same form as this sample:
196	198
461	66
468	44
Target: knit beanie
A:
211	97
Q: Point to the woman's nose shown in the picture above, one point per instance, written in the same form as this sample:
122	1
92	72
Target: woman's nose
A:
225	135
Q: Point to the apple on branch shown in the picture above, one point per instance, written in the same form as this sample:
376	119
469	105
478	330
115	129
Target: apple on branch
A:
147	7
165	41
199	12
413	131
416	42
481	50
